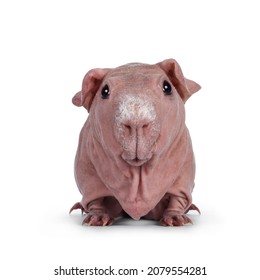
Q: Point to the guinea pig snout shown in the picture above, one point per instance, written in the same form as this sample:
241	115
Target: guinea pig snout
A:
136	128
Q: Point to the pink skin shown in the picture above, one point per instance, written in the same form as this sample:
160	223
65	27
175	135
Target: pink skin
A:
135	154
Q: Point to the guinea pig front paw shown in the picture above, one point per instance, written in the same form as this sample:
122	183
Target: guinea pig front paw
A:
173	219
98	219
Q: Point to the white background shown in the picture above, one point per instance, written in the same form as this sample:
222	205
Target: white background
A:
46	48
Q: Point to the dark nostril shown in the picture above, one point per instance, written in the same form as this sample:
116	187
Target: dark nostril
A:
128	129
145	125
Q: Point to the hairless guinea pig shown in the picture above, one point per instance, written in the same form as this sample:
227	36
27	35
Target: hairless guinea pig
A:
135	153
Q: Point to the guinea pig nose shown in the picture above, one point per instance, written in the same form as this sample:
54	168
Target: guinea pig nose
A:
136	128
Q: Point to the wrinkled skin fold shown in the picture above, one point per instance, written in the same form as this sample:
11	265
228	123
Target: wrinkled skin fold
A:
135	153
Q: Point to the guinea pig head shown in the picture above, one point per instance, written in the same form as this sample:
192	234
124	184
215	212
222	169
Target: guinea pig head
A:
137	110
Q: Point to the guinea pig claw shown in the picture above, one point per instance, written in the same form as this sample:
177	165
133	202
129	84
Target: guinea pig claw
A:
175	220
77	206
187	220
99	219
193	207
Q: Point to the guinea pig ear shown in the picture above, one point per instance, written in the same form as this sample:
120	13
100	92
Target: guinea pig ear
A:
90	86
185	87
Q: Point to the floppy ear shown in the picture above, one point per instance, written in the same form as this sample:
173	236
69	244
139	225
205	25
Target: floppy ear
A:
185	87
90	86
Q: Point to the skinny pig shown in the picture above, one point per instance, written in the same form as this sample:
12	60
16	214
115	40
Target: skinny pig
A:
135	154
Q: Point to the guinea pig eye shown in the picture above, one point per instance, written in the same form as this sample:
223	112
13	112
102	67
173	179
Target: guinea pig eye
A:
167	89
105	92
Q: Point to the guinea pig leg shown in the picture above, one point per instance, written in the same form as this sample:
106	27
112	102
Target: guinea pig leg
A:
174	214
98	214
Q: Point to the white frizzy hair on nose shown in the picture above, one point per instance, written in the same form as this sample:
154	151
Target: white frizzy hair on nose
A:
134	108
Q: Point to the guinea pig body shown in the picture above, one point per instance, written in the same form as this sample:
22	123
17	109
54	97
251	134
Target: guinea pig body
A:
135	154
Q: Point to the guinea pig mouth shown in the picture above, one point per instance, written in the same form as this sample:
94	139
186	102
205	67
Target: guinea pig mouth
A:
136	161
